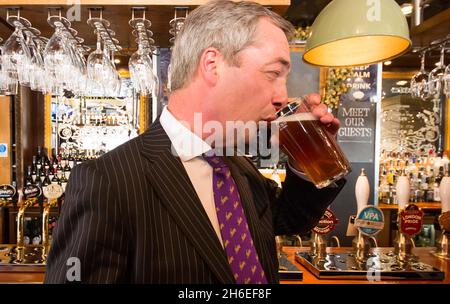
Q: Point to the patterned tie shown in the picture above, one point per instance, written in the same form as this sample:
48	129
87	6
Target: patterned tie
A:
236	237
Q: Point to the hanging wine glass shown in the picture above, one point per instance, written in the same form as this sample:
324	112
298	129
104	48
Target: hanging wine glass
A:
436	76
419	82
116	82
140	64
57	60
8	85
446	80
97	67
16	56
36	69
176	24
101	69
141	69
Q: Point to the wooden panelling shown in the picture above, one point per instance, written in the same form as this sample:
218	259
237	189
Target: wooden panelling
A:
5	137
29	128
434	28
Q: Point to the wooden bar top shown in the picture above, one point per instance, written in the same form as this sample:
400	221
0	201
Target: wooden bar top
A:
422	252
36	274
421	205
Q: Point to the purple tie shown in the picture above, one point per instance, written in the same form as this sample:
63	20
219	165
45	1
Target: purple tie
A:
236	237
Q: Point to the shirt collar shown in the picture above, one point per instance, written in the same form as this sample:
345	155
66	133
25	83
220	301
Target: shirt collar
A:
186	144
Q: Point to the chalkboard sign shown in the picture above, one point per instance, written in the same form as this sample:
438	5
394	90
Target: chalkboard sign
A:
363	85
357	114
356	136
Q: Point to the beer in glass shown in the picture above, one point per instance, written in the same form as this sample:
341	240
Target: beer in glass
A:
310	147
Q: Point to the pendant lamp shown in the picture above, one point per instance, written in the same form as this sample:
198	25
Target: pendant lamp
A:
357	32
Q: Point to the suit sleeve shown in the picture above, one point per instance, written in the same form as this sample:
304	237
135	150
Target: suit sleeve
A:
299	205
89	242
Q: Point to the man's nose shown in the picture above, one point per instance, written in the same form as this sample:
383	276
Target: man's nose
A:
280	99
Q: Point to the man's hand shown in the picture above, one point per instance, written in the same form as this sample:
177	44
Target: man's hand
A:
320	111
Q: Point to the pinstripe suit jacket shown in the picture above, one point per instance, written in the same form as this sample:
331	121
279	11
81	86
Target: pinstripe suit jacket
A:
133	216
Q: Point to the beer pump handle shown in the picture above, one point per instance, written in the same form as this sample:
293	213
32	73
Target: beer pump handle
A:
403	191
444	190
362	190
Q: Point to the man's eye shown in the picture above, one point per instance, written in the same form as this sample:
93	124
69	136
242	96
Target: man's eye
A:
274	74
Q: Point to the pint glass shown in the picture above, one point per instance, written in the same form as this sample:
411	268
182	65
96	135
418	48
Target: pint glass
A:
310	147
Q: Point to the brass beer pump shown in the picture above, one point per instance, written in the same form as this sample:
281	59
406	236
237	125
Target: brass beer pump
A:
360	243
444	219
52	193
403	244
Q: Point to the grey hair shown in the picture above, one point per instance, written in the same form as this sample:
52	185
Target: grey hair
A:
222	24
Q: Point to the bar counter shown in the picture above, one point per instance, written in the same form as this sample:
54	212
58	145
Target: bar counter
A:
423	253
35	274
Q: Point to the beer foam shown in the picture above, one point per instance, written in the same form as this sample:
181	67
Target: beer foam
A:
297	117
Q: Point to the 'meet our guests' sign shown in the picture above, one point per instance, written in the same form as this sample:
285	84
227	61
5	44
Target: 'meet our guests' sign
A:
357	114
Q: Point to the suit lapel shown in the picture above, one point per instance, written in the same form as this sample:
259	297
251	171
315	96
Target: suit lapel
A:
167	175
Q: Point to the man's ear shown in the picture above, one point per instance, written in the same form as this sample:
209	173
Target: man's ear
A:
209	65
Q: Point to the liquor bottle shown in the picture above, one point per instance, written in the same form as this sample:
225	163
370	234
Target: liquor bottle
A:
418	195
54	179
38	154
46	161
54	160
28	177
51	173
15	198
63	182
384	191
429	196
71	160
59	168
391	194
46	181
34	170
424	187
67	170
41	174
39	159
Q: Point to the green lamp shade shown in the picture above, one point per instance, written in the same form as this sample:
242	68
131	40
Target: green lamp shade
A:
357	32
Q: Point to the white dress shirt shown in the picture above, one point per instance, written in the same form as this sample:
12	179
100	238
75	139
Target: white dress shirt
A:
190	147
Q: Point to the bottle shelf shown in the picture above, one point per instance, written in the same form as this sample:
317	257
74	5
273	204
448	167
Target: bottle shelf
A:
422	205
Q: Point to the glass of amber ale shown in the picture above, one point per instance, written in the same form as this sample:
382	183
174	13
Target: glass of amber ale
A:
310	147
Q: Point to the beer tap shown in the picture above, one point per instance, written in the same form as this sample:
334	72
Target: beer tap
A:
403	244
45	234
20	220
318	247
360	243
52	192
20	230
444	219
